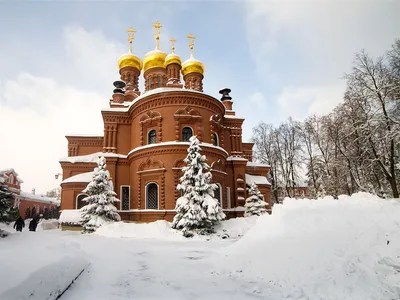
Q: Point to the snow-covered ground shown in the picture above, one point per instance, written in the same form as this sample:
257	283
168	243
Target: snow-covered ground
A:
326	249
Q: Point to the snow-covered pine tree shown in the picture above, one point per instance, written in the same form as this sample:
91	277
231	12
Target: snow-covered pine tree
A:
6	198
197	209
100	208
255	204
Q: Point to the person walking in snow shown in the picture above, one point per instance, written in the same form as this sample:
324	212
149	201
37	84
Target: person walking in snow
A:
33	224
19	224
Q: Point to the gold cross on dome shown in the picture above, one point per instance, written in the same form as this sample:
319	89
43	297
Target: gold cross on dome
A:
191	38
131	37
157	25
172	40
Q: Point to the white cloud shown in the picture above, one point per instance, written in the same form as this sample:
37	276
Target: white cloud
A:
303	48
38	111
303	101
34	138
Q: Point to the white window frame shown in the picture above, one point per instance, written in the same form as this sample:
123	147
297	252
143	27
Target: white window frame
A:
182	133
129	197
158	195
11	179
76	200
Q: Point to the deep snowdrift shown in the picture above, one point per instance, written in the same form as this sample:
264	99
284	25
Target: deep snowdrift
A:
38	266
321	249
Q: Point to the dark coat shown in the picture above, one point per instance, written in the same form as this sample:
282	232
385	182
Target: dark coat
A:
19	224
33	224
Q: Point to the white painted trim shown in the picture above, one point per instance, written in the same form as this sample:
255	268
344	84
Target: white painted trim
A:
158	195
76	199
148	132
152	170
193	133
129	198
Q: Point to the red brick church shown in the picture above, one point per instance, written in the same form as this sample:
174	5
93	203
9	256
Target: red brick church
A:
146	134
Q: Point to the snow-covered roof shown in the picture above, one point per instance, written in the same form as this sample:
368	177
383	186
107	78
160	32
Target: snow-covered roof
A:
38	198
71	216
90	158
207	145
256	179
256	164
11	170
83	177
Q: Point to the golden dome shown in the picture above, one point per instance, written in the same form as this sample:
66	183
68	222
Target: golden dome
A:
154	59
129	60
192	65
172	58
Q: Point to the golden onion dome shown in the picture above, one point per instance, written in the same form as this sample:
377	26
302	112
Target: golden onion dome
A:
129	60
172	58
154	59
192	65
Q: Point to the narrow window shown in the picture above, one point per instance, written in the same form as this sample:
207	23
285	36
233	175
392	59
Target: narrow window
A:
217	194
152	196
187	133
216	142
159	81
152	137
125	195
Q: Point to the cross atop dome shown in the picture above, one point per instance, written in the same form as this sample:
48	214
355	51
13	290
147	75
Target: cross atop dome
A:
191	38
131	37
157	25
173	41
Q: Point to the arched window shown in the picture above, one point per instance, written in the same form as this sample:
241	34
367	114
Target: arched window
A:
216	141
11	179
79	201
152	196
187	133
152	137
217	194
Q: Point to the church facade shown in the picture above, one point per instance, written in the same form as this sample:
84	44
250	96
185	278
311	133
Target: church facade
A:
146	137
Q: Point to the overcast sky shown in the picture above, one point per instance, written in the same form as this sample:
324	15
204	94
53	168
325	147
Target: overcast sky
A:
280	58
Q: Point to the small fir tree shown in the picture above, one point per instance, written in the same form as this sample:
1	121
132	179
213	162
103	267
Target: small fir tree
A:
6	198
46	214
197	209
255	204
100	208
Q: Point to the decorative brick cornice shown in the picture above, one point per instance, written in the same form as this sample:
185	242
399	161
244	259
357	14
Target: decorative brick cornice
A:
171	149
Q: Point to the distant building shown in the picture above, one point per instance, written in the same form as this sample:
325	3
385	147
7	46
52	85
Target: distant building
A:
23	200
299	191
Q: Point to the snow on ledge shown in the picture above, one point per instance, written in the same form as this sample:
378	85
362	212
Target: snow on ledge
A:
256	164
90	158
256	179
83	177
174	144
236	158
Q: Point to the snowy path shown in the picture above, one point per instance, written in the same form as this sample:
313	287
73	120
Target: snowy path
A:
150	269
